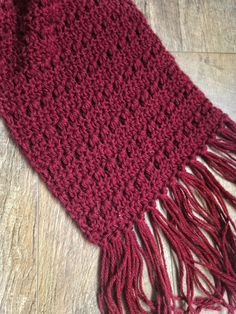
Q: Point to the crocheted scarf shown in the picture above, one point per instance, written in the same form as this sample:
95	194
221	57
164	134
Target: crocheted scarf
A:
129	145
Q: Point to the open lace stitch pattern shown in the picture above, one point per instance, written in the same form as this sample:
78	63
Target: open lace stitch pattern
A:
107	118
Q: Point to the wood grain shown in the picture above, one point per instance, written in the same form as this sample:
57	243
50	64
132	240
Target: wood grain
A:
18	232
208	25
193	25
46	266
215	75
67	263
164	18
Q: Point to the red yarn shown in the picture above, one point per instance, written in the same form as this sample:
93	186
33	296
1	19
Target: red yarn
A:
104	114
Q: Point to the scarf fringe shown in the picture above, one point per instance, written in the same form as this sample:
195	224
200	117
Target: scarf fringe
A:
195	220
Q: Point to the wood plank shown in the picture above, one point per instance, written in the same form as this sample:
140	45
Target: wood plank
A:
215	75
163	17
18	233
208	25
193	26
67	263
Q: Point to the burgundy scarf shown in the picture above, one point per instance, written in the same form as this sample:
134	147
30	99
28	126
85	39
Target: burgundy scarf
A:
104	114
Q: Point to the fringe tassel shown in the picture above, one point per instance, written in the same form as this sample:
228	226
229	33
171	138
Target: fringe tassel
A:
121	267
201	235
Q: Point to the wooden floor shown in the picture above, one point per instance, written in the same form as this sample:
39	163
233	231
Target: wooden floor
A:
45	264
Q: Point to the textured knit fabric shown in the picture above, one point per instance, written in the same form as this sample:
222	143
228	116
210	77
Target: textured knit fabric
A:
104	114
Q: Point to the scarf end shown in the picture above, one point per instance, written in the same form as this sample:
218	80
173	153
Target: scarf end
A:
193	217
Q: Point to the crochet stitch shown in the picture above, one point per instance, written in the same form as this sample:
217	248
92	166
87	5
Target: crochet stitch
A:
105	115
